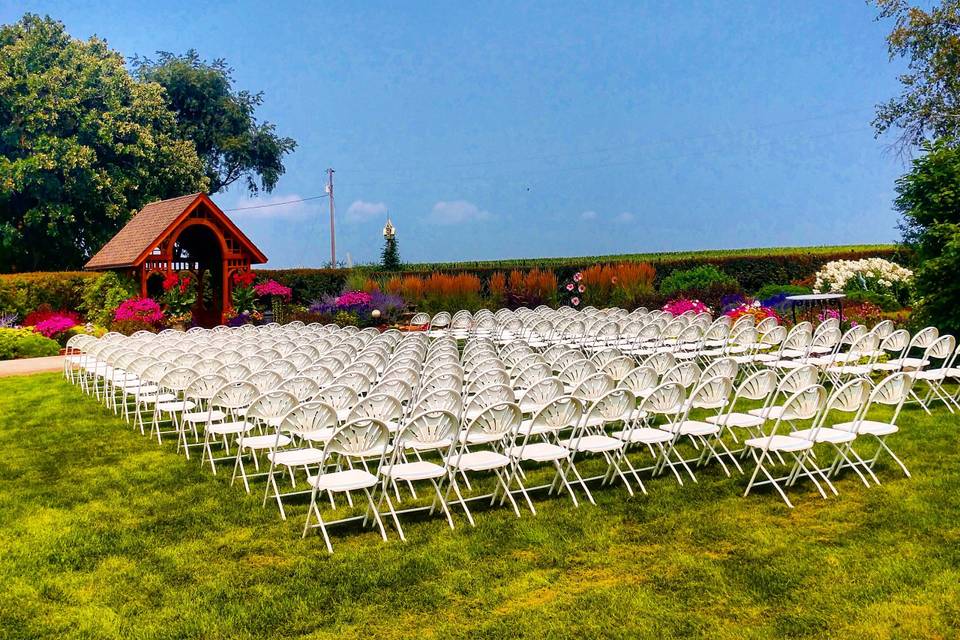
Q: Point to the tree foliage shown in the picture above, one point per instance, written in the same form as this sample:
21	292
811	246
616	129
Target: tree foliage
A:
220	121
82	146
929	200
390	256
928	106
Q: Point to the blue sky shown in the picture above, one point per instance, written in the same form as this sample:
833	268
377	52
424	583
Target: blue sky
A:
514	129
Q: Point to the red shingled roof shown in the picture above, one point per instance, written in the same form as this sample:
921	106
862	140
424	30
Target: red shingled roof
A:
147	228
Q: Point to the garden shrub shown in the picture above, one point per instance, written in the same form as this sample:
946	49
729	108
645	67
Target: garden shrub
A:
21	293
103	294
308	284
703	277
25	343
131	326
884	301
770	290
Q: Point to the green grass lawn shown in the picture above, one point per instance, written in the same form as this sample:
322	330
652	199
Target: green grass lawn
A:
103	534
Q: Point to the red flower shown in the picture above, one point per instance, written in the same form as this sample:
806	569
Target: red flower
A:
244	278
170	281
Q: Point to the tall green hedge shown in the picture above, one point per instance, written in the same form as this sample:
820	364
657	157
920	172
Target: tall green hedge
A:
751	270
21	293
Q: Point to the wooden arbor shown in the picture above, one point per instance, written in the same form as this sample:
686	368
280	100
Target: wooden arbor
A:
189	233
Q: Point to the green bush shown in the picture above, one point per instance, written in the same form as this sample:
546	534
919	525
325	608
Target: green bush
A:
703	277
307	284
770	290
885	301
103	294
21	293
25	343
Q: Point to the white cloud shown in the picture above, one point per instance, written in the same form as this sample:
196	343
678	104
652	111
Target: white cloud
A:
361	211
626	216
274	205
456	212
589	215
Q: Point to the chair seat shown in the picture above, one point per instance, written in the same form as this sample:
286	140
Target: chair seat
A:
850	370
825	434
931	374
643	435
770	413
265	441
203	416
736	419
593	443
172	406
347	480
478	461
420	470
869	427
779	443
153	397
539	452
227	428
296	457
693	428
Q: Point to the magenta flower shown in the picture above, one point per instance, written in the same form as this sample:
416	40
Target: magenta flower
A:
273	288
353	299
141	309
53	325
682	305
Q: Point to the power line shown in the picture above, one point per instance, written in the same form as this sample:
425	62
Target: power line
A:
277	204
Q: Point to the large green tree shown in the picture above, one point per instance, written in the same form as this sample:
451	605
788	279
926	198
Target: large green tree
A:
928	106
82	146
928	198
219	120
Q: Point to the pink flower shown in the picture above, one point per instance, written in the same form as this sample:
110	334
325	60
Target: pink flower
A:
581	288
53	325
681	305
141	309
353	299
613	280
570	287
574	301
577	276
273	288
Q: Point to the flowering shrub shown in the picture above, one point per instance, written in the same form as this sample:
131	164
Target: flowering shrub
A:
360	306
682	305
141	310
179	296
875	275
54	325
274	289
8	320
278	294
755	309
45	312
25	343
628	285
242	296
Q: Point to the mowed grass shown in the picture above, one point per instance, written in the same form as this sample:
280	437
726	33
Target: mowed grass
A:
104	534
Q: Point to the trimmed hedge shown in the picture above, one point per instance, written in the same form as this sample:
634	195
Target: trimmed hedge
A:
752	269
21	293
25	343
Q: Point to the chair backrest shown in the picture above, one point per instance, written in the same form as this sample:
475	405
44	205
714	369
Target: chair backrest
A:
594	387
661	362
495	422
804	404
179	379
726	367
360	439
613	406
798	379
711	393
440	400
850	397
426	431
339	396
265	380
234	395
313	421
686	373
640	380
378	405
560	413
205	387
665	399
271	406
618	368
302	387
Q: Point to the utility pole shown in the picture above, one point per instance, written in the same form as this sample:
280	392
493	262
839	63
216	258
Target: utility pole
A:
333	235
